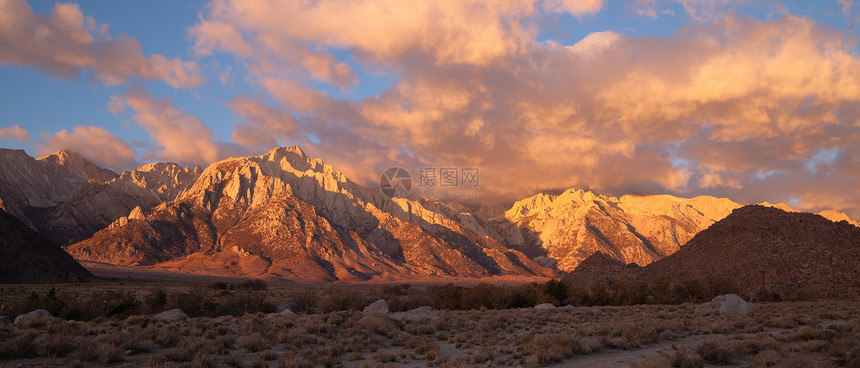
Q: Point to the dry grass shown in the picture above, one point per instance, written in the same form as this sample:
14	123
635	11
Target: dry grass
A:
775	335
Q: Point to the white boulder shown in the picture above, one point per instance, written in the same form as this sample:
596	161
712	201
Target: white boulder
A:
729	304
545	306
417	314
171	315
34	316
380	307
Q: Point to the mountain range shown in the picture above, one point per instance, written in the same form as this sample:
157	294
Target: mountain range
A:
288	216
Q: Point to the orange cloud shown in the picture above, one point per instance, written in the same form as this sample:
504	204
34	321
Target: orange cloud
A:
15	132
93	143
290	34
179	136
728	105
68	42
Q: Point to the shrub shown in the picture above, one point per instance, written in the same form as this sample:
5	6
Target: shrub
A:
305	301
767	358
337	300
554	291
686	359
713	352
445	296
384	357
56	345
481	296
523	296
255	284
253	342
550	348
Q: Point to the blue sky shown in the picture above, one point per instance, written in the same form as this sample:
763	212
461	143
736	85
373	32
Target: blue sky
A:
366	105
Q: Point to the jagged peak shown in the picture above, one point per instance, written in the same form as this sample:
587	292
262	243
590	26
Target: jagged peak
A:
160	166
293	156
63	156
77	166
781	206
292	149
540	201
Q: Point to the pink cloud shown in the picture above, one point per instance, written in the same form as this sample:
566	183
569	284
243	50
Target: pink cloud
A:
91	142
293	37
67	43
179	136
15	132
728	105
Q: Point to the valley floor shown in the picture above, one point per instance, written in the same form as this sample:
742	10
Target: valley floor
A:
788	334
148	274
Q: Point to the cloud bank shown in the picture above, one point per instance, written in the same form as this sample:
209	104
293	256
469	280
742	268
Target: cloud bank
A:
67	43
729	105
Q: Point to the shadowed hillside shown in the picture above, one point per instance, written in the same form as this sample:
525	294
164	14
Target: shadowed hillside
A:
756	247
27	257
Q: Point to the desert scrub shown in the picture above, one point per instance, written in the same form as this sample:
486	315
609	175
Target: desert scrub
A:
384	357
253	342
687	359
715	353
550	348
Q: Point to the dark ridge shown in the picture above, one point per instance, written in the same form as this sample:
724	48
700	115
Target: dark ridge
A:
27	257
760	249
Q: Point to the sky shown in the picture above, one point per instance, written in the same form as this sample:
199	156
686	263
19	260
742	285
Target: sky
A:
750	100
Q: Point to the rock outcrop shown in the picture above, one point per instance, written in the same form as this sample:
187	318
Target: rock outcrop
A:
729	304
159	182
36	316
171	315
424	313
378	307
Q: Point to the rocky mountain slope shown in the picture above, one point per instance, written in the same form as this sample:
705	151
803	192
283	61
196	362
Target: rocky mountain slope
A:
286	215
565	229
756	246
67	198
27	257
